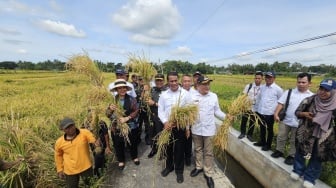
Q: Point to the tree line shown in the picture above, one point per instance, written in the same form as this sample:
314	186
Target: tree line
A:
184	67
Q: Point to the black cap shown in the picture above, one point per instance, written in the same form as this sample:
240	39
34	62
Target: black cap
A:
66	122
159	77
203	80
270	73
121	71
197	73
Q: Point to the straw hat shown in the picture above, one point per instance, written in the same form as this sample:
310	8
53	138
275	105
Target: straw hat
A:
120	83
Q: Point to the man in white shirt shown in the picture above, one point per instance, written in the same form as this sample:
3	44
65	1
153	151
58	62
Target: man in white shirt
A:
205	128
122	74
288	126
175	95
267	102
186	82
252	90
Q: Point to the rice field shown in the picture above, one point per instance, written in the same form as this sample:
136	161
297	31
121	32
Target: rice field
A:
32	103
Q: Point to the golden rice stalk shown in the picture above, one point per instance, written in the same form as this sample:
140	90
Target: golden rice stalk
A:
124	131
162	142
145	96
82	63
146	70
98	95
91	121
183	116
142	67
239	106
21	142
123	127
221	138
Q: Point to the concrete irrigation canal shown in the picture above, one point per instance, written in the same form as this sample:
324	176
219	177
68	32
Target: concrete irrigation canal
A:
245	166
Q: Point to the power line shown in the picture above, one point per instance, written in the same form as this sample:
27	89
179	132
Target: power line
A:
204	22
276	47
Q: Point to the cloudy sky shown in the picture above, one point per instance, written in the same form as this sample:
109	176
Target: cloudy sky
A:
217	32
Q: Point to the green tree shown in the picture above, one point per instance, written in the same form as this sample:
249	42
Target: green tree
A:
8	65
262	67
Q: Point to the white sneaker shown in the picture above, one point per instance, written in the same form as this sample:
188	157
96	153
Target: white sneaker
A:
294	176
307	184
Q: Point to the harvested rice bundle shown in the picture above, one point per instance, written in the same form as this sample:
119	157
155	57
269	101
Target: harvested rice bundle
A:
123	127
91	121
98	96
181	116
184	116
239	106
162	143
146	70
221	138
142	67
82	63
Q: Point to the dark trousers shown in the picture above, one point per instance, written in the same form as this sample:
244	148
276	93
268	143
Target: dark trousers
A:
266	123
99	162
175	151
188	147
72	181
119	145
143	121
154	130
243	123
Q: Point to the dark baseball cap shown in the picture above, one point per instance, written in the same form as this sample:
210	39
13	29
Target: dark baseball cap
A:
270	73
197	73
66	122
121	71
159	77
328	84
203	80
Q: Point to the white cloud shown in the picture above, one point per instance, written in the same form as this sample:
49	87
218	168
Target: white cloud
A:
21	51
61	28
150	22
182	51
9	31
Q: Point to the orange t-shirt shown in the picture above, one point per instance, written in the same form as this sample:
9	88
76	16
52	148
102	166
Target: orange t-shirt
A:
73	157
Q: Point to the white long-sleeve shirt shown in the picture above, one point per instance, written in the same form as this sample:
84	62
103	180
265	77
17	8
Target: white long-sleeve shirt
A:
268	99
170	98
208	110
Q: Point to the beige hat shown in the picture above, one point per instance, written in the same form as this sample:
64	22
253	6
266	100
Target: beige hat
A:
120	83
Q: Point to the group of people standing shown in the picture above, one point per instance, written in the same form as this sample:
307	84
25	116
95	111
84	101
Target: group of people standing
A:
201	133
191	90
72	151
308	124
